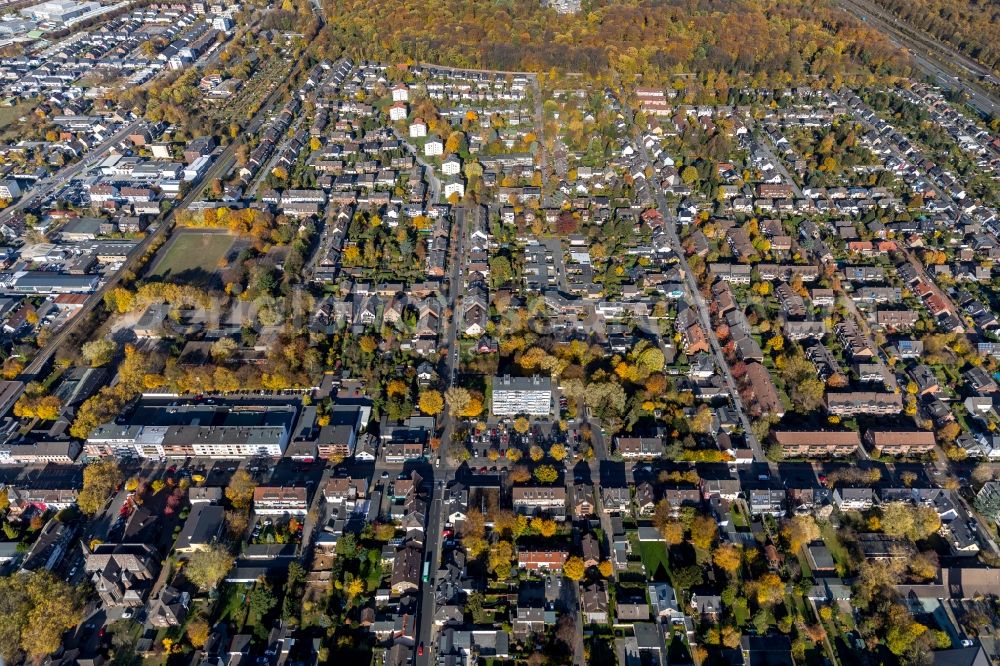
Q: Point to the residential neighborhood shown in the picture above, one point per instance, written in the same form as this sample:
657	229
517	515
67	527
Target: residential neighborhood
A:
308	356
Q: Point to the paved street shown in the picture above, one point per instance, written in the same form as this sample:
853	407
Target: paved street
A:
695	297
66	174
443	471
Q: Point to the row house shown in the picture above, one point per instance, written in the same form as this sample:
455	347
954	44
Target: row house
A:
539	560
639	447
854	403
816	443
896	443
530	500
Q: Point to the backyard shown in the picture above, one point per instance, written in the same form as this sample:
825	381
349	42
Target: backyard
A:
654	557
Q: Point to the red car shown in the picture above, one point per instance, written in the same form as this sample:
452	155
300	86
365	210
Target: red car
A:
420	649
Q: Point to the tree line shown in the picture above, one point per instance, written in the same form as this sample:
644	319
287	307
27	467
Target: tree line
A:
766	41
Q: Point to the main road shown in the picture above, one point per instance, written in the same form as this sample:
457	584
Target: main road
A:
444	470
222	165
68	173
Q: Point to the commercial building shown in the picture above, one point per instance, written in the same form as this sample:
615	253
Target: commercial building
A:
60	452
59	11
278	501
9	189
47	282
522	395
212	431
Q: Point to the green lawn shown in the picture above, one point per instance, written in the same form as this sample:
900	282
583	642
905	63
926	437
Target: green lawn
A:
233	604
840	555
804	563
654	555
192	257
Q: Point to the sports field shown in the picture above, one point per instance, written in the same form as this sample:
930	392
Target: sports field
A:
192	257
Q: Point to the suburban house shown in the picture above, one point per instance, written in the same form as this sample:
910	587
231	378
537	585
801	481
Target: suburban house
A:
536	560
201	529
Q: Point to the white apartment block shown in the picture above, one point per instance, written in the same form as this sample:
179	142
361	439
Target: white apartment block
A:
522	395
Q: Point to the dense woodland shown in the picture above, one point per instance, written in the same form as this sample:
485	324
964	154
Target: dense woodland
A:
769	41
968	25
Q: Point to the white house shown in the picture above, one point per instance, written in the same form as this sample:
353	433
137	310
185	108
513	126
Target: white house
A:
418	129
400	93
397	112
451	166
434	147
454	186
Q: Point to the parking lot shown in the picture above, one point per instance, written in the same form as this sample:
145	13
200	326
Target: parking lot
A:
501	436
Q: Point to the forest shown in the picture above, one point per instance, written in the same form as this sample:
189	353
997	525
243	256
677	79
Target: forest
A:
766	42
971	26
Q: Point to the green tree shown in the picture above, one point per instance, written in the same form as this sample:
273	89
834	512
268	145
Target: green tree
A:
240	490
546	474
206	568
100	479
292	604
988	502
261	600
688	577
99	352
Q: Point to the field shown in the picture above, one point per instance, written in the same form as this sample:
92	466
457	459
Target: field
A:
10	114
192	257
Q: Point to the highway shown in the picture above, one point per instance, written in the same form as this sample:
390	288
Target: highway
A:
937	60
